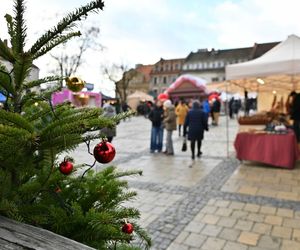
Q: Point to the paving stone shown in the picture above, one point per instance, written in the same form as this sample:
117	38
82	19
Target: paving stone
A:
296	235
194	240
262	228
194	227
268	210
284	212
273	220
213	243
290	245
239	214
244	225
248	238
227	222
230	234
209	209
222	203
293	223
235	246
223	211
211	230
176	246
268	242
237	205
282	232
210	219
256	217
182	236
251	208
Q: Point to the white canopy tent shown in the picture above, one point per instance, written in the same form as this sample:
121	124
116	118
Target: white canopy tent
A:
135	98
277	71
279	67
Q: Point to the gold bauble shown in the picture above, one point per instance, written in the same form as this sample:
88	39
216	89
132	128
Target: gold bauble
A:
75	84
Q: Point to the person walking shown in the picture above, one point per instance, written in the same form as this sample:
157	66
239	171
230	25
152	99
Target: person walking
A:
295	115
170	125
195	123
181	111
109	111
156	116
216	108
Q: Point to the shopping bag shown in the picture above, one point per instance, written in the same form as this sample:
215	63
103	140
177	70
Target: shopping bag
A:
184	146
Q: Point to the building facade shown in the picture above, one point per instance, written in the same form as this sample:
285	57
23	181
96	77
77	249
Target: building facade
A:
206	64
210	64
163	74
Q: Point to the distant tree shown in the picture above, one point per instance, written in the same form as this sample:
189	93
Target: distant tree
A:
70	58
121	76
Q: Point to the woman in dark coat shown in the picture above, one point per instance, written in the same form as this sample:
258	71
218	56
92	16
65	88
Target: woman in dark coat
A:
196	123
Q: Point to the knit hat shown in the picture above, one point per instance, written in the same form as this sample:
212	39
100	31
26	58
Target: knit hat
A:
167	104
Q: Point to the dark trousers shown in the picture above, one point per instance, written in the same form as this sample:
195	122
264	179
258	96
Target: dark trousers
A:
193	142
296	127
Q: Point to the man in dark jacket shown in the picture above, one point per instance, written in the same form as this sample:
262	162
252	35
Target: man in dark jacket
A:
196	122
295	115
156	116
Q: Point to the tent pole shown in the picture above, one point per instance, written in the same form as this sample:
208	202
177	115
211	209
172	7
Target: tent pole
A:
227	121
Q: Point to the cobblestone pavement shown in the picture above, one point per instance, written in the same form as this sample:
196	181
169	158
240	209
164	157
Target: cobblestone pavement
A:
215	203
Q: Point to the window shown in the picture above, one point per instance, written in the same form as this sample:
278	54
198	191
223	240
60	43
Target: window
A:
165	80
155	80
199	65
176	66
204	65
184	67
214	79
167	67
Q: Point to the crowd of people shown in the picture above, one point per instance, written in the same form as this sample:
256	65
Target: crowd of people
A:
189	119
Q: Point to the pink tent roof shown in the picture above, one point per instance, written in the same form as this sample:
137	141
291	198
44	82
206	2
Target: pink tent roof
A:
199	83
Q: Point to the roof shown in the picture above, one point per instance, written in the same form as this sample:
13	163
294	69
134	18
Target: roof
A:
219	54
162	60
261	48
146	70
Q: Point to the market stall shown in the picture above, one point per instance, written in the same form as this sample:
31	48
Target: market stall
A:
273	76
137	97
276	72
188	87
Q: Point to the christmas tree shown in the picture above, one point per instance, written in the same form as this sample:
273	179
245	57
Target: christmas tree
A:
35	187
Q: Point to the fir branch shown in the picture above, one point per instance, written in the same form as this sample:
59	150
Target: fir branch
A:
38	82
15	119
66	23
55	42
6	81
19	28
22	68
6	53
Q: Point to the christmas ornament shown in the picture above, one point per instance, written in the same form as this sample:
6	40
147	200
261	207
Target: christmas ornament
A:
66	167
75	84
127	228
104	152
57	190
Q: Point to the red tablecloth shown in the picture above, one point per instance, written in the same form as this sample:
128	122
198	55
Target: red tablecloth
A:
275	149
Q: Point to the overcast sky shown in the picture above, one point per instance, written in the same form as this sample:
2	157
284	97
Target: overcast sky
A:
143	31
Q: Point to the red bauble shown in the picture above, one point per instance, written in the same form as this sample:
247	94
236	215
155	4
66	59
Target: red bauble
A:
66	167
104	152
127	228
